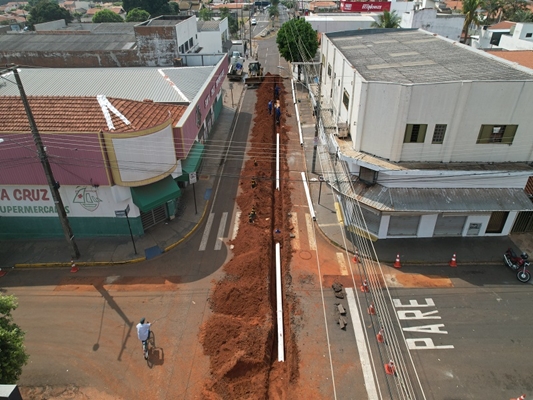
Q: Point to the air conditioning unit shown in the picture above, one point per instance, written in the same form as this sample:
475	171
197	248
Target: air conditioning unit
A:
343	130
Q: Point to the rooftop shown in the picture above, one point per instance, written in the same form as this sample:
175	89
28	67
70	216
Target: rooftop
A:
161	85
49	42
411	56
522	57
83	114
205	26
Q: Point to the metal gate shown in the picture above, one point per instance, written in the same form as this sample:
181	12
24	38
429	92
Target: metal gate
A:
153	217
403	225
497	221
523	222
449	225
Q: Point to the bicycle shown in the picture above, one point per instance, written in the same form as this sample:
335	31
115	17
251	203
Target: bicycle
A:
148	344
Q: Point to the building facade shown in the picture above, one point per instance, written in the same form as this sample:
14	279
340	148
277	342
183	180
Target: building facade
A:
434	133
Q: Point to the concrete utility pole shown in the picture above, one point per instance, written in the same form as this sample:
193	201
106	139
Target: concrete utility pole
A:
52	183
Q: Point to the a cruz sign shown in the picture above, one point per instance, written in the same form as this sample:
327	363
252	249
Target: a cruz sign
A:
365	6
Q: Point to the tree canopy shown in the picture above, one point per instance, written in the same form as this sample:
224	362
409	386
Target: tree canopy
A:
137	15
12	348
297	40
154	7
46	11
471	11
106	15
387	20
205	14
233	26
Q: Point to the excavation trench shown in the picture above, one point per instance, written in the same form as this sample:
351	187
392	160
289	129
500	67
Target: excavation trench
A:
241	335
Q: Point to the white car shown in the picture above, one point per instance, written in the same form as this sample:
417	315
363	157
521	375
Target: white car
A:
253	21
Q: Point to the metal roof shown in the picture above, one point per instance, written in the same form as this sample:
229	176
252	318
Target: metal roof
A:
181	85
206	26
74	42
413	56
442	200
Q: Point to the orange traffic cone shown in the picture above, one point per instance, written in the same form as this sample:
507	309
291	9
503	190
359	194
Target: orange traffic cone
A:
2	273
523	397
453	262
356	257
380	337
397	262
371	309
73	267
364	287
389	368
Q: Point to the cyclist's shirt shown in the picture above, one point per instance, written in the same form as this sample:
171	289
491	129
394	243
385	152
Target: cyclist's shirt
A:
143	330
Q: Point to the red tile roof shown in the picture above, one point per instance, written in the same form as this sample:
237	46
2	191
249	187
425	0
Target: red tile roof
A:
522	57
83	114
502	25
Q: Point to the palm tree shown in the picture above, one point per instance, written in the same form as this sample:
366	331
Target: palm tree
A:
387	20
470	10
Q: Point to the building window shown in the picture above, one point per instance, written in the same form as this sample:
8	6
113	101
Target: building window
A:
329	70
415	133
191	43
529	34
438	134
501	134
346	99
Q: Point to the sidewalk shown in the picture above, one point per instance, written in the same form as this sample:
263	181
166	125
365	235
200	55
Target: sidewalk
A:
427	251
119	250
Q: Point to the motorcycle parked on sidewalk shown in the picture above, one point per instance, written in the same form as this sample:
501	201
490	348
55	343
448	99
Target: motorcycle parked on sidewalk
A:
518	263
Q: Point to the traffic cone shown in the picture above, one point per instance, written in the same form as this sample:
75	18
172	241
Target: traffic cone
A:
397	262
73	267
380	337
364	287
371	309
356	257
2	273
453	262
523	397
389	368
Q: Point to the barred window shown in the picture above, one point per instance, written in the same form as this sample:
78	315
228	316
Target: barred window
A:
438	133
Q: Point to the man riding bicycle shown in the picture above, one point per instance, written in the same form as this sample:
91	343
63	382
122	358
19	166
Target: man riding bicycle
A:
143	333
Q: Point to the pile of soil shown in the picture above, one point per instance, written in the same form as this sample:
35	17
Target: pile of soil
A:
240	335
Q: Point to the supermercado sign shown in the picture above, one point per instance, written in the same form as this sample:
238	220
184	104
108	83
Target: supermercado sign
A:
79	201
365	6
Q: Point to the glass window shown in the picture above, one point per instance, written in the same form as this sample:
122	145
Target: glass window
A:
329	70
346	99
415	133
438	134
501	134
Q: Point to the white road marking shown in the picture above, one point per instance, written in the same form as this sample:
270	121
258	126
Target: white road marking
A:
310	231
342	263
296	231
370	383
205	236
236	224
220	233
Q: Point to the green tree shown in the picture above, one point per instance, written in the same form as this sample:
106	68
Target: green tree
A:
106	15
174	8
47	10
273	12
511	8
205	14
12	348
522	16
493	9
233	26
137	15
154	7
472	17
297	41
387	20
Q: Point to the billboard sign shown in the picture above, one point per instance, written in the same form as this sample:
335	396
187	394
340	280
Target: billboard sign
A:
365	6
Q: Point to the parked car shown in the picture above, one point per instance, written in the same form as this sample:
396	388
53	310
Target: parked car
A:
253	21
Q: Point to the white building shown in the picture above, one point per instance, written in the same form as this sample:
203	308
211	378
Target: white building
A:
437	134
506	36
429	19
212	35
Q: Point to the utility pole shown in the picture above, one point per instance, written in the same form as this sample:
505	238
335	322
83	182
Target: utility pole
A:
317	116
52	183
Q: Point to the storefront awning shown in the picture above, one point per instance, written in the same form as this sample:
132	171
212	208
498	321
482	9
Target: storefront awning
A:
150	196
192	162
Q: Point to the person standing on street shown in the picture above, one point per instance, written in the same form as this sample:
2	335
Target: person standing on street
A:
270	107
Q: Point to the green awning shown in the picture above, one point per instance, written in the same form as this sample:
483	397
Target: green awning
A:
192	162
150	196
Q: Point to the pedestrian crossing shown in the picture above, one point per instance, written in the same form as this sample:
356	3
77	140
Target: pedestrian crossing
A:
222	221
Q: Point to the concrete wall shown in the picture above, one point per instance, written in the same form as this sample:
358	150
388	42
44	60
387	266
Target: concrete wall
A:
446	25
156	44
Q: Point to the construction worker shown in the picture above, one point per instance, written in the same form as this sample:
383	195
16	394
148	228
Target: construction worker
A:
254	183
255	162
270	107
251	216
276	91
278	115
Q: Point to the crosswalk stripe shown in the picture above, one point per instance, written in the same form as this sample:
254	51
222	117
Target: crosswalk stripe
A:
296	231
310	231
205	236
342	263
236	225
220	233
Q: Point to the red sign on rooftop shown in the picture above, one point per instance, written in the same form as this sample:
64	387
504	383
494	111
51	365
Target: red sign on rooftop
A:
365	6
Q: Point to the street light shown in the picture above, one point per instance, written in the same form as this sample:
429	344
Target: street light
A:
43	157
